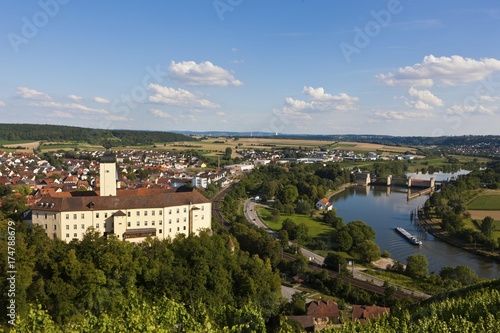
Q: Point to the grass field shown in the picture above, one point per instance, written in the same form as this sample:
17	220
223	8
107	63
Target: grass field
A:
316	227
485	202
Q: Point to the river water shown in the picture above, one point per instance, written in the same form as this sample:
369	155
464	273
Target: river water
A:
383	208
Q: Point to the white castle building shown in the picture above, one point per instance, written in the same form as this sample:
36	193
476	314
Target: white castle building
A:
130	215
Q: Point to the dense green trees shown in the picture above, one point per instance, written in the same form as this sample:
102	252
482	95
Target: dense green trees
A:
331	218
98	276
15	132
488	226
450	206
417	265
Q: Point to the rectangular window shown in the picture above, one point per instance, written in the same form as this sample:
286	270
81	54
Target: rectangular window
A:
75	227
178	228
83	226
177	210
97	225
45	215
128	214
55	227
160	212
153	212
74	235
202	207
67	235
54	216
105	215
67	226
184	219
128	224
45	226
104	225
177	220
138	223
145	222
37	215
184	228
152	222
74	216
138	213
169	229
67	216
54	235
203	217
160	222
97	215
145	213
159	231
169	221
83	216
170	211
185	210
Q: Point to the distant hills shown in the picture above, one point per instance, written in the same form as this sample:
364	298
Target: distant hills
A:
372	138
33	132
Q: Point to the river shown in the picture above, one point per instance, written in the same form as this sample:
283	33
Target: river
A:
383	208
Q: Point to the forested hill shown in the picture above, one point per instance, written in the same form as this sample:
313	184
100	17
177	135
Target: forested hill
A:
406	140
16	132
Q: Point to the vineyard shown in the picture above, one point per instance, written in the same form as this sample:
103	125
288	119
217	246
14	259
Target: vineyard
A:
475	310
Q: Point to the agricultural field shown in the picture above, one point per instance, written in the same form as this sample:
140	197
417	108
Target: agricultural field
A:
420	163
217	145
24	144
488	200
486	204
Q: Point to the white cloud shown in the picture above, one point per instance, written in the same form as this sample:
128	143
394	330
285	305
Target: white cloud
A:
464	110
423	99
159	114
488	98
448	71
202	74
27	93
117	118
59	114
220	113
2	104
425	96
68	107
101	100
394	115
75	98
178	97
319	101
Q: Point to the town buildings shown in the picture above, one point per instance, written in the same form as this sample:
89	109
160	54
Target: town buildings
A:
130	215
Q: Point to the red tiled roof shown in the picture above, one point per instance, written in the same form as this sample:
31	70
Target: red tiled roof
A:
142	199
366	312
323	309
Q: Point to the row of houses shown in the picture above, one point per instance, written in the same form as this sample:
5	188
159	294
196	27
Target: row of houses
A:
326	313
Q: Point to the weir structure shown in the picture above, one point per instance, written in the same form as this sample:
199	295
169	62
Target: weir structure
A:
422	186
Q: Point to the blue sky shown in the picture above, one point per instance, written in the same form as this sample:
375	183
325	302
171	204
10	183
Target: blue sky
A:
396	67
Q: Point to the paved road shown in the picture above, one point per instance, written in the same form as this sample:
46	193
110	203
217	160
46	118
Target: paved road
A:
252	216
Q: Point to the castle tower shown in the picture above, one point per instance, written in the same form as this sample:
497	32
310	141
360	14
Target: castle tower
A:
107	172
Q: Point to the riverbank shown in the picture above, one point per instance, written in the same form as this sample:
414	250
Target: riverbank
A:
434	228
340	189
